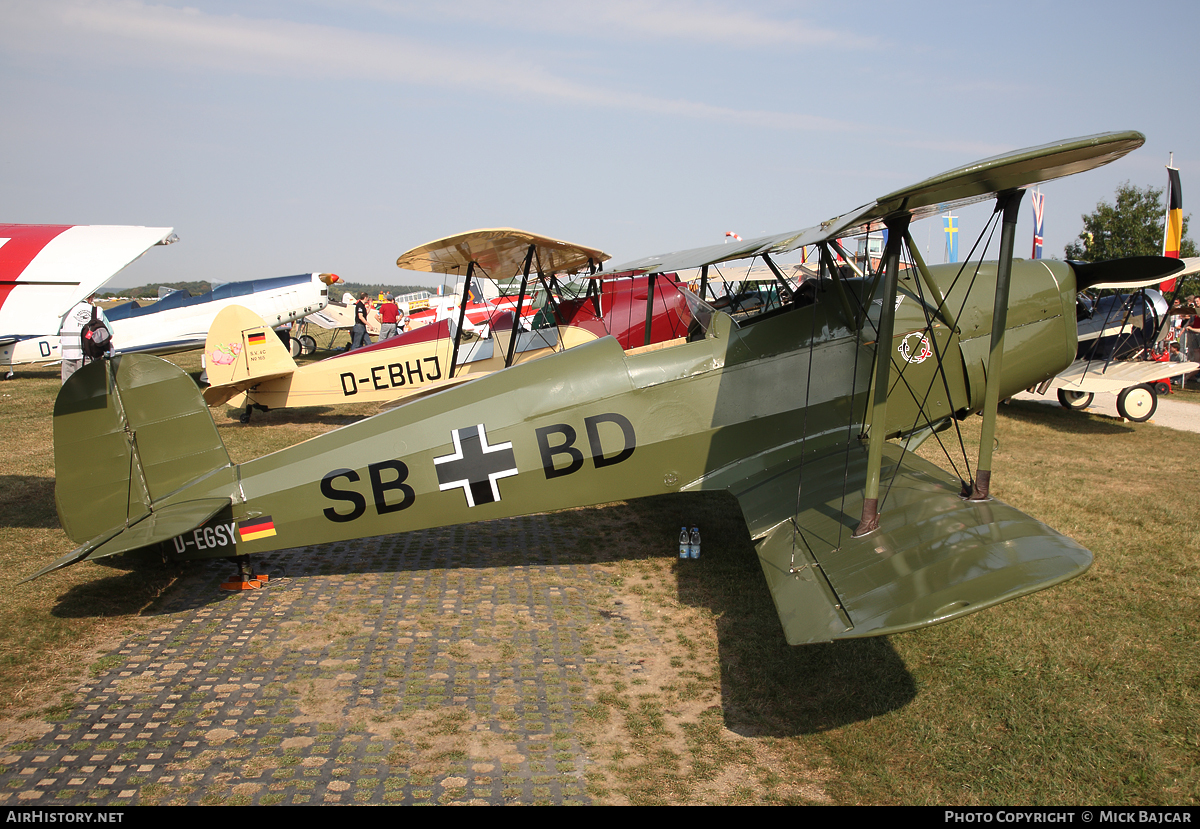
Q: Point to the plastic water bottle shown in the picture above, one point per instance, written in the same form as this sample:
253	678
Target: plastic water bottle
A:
694	543
685	546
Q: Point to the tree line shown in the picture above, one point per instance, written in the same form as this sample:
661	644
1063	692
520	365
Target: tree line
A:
1132	225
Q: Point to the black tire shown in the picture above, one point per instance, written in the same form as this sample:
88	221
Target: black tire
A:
1075	399
1137	403
307	344
1162	387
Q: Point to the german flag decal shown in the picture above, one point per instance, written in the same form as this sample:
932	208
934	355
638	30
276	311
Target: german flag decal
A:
257	338
253	529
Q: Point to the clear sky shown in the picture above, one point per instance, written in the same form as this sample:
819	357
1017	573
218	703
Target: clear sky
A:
332	135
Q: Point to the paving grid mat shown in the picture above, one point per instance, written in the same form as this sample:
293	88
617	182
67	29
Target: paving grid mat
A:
441	666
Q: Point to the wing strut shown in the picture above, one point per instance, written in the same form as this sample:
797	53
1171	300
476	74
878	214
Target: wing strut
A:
462	317
650	282
826	265
897	228
516	326
1010	203
785	291
947	318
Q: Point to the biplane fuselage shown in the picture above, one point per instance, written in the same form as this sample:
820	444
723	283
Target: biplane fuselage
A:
595	424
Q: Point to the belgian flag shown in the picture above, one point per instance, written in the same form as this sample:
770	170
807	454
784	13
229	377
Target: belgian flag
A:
1173	235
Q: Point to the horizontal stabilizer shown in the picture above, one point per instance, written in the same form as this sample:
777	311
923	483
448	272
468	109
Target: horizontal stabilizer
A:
158	526
935	556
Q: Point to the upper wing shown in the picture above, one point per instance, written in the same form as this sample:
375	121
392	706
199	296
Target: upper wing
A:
934	557
46	269
953	188
500	252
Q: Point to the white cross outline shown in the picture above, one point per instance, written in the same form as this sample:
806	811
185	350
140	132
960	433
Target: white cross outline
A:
465	483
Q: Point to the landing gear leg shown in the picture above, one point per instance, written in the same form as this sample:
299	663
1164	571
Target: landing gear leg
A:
245	418
244	580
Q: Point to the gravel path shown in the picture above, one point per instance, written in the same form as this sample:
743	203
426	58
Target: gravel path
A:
1170	413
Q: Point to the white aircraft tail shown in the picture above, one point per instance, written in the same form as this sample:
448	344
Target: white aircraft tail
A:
242	350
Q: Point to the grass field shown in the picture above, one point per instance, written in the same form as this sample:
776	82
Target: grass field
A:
1088	693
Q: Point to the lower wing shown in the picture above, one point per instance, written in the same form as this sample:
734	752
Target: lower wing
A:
935	556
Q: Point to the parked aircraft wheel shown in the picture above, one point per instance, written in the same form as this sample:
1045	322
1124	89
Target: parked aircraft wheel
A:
1075	399
1137	403
1162	387
294	347
307	344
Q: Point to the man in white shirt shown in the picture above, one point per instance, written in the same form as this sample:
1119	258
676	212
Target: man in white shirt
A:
70	342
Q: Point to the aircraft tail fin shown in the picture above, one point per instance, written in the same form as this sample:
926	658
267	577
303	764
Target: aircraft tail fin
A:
241	350
131	435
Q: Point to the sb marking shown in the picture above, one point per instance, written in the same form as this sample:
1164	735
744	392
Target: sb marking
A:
477	466
397	473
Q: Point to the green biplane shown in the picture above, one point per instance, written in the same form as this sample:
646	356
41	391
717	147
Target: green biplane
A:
805	412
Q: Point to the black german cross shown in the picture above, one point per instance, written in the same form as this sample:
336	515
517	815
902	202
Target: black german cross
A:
475	466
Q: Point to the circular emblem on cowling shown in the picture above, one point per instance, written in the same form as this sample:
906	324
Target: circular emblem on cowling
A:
915	348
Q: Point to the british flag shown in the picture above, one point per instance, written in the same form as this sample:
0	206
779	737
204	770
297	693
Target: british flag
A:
1039	213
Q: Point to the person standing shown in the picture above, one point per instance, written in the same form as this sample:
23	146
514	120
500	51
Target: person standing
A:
70	334
389	314
358	332
1192	333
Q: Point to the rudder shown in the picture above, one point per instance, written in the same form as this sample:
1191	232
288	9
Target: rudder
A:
129	433
241	349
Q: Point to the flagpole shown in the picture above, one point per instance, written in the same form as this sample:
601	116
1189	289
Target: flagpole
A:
1182	339
1167	214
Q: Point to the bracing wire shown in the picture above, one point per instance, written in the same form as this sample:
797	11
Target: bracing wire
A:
812	344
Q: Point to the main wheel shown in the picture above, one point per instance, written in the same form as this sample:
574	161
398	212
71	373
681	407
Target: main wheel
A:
1137	403
1075	399
294	347
307	344
1162	387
